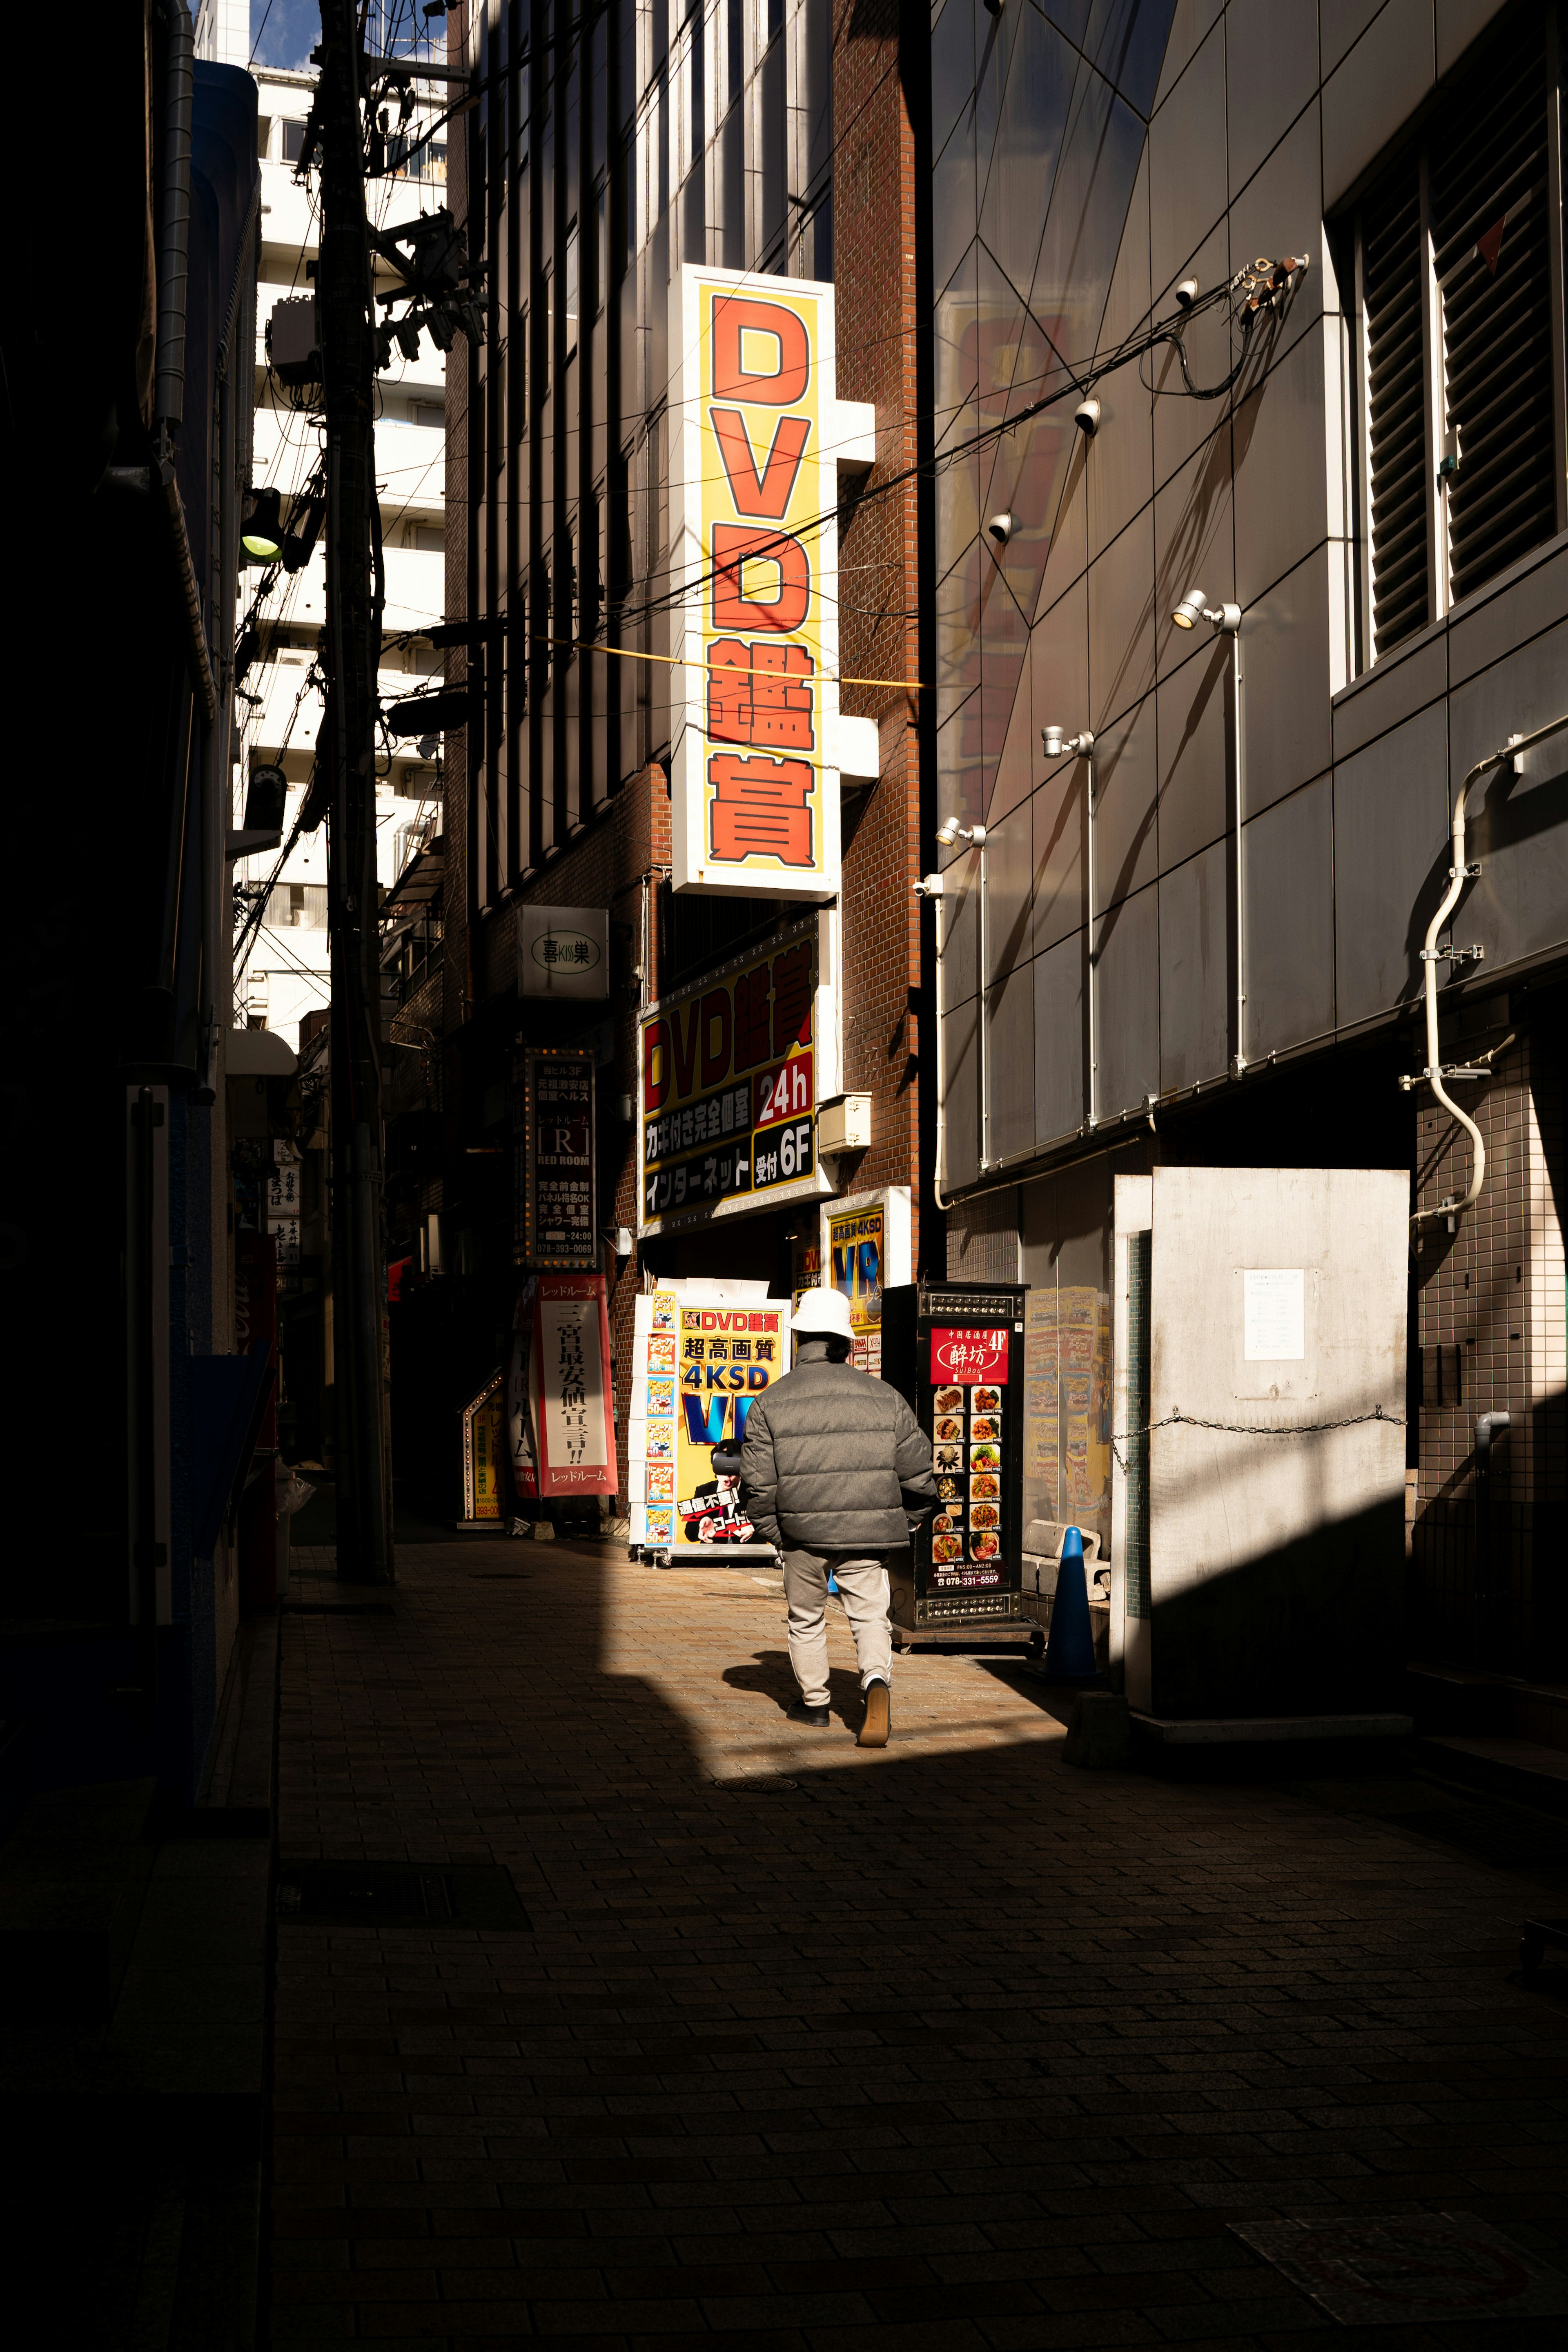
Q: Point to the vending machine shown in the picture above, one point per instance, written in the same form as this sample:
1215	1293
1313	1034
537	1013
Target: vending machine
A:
954	1353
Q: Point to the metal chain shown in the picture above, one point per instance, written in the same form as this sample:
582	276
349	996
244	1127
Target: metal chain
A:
1252	1429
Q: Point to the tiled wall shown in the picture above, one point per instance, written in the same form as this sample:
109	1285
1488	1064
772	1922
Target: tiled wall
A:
1491	1295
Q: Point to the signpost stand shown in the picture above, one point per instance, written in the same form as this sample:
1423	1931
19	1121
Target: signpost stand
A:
954	1351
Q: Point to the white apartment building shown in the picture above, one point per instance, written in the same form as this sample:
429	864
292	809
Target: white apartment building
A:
283	974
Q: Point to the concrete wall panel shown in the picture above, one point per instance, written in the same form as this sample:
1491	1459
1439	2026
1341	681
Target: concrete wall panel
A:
1058	1041
1458	22
1521	828
1010	890
1194	752
1129	986
1186	162
1271	66
1126	845
1285	674
1194	543
1282	492
1059	849
1010	1044
1288	883
1121	622
1371	95
1195	971
1391	862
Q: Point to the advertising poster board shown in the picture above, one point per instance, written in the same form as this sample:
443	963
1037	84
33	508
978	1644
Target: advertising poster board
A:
866	1249
732	1070
753	489
481	1459
1067	1407
571	1421
701	1357
554	1145
957	1352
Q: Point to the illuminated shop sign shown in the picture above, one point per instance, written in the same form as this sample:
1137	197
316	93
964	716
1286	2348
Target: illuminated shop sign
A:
732	1070
757	440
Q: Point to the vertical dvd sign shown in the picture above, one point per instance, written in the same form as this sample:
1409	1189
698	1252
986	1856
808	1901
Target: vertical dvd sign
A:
758	437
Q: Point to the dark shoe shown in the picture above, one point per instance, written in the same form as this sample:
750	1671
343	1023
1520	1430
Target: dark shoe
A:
818	1717
878	1722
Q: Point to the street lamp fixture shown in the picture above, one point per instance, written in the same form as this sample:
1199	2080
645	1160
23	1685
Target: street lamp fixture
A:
261	532
1195	606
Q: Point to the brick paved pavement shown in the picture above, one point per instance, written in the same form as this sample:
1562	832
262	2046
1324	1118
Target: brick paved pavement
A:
947	2047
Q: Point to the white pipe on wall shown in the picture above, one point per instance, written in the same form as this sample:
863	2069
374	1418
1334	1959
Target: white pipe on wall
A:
1432	955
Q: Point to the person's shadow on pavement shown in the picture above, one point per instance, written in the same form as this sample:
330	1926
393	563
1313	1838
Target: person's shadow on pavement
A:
769	1673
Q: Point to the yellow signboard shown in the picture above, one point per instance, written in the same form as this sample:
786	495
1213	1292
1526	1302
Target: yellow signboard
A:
753	489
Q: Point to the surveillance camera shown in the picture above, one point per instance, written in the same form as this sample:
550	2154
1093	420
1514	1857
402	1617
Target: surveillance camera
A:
1000	527
1086	417
1187	292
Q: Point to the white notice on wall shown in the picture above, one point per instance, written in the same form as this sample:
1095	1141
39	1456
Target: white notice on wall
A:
1274	1313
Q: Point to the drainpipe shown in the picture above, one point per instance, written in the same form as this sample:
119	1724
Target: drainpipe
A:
1486	1426
169	382
932	886
1432	955
1082	746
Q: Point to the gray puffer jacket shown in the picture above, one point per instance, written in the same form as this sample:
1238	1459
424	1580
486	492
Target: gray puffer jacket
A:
834	1461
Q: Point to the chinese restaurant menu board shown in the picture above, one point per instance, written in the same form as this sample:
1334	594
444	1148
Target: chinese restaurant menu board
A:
696	1371
974	1446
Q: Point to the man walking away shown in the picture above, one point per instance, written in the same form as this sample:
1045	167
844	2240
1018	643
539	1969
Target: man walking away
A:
835	1472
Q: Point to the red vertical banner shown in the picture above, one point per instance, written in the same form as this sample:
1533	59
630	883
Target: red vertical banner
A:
571	1406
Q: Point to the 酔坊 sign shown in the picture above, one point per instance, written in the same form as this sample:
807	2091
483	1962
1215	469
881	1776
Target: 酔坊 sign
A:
757	437
732	1069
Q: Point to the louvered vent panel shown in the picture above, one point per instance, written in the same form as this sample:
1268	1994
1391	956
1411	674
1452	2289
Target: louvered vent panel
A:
1489	188
1391	229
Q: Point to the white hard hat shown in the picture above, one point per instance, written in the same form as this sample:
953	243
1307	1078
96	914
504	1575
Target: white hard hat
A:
823	1314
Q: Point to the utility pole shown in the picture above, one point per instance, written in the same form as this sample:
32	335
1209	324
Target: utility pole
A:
353	646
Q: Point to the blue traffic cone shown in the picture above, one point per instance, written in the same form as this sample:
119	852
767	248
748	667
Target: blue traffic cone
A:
1069	1656
833	1582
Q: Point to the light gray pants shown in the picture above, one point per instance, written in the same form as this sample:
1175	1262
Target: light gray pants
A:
862	1581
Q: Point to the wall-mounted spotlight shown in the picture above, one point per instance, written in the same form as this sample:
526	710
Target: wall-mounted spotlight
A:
950	831
1086	415
1000	527
1195	606
1186	293
1056	742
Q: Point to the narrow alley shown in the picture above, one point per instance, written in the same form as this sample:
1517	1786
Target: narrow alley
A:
797	2046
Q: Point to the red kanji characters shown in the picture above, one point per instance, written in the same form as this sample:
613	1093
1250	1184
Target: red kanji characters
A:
761	808
792	994
750	699
751	1018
